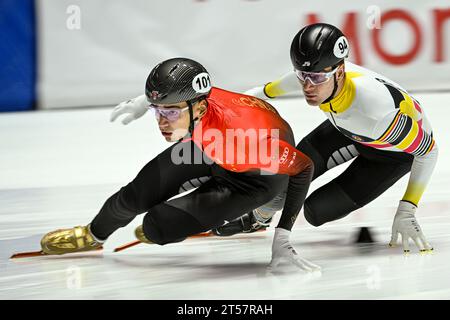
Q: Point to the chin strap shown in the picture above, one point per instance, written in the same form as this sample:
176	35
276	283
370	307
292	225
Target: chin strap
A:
328	100
191	115
191	121
334	90
191	118
191	125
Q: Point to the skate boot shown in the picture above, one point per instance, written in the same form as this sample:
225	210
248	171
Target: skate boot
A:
71	240
244	224
139	233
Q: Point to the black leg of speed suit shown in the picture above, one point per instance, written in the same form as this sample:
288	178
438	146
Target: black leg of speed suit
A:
158	180
367	177
223	197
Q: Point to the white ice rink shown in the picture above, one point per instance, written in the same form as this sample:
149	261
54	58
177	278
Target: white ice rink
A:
58	167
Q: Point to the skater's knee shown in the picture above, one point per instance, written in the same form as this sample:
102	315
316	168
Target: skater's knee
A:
319	211
329	203
152	230
165	224
311	214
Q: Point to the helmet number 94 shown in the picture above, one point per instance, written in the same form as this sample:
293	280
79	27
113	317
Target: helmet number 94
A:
341	47
201	83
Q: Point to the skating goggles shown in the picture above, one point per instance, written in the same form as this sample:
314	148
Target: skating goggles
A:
315	77
171	114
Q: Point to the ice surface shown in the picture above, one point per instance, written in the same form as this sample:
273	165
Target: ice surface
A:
58	167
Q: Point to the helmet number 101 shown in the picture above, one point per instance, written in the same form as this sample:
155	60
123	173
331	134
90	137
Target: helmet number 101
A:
202	83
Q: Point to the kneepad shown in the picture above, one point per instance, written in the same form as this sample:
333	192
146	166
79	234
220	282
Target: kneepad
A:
328	203
165	224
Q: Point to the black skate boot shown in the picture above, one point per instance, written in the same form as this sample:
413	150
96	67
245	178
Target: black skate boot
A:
244	224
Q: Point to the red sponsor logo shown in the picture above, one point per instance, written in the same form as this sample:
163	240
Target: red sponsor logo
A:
435	28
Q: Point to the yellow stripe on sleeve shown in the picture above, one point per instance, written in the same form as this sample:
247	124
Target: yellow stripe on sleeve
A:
273	89
414	192
407	107
406	142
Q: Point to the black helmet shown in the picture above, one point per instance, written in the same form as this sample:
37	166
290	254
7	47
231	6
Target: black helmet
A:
318	46
177	80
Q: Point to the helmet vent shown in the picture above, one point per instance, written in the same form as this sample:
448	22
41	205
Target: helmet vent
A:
175	67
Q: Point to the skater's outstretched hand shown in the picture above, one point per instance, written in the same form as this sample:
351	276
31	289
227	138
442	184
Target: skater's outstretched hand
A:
283	250
406	224
135	108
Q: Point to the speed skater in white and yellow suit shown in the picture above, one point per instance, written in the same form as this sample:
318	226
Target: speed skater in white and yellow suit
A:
371	119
